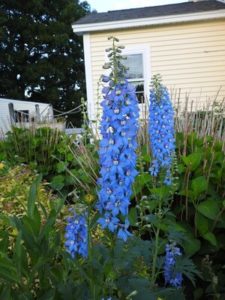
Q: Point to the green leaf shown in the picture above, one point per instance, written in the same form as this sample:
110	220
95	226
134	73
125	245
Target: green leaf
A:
199	185
140	182
133	216
6	293
162	192
201	223
192	161
49	295
33	196
18	253
192	246
209	208
48	226
57	182
209	236
8	271
61	166
4	241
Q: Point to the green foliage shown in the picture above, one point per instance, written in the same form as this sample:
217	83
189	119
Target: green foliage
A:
40	56
201	185
39	146
192	212
13	198
29	266
36	266
64	163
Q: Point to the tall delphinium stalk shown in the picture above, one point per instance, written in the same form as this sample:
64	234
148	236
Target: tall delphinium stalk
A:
161	130
118	128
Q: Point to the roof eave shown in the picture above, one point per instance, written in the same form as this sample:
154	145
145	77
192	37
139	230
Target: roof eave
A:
142	22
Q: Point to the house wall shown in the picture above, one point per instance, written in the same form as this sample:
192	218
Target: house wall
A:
190	57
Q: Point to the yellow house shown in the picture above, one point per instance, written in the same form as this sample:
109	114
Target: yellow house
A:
184	42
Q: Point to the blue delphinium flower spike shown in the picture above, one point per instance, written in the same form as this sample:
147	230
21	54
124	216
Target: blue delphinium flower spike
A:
117	156
77	235
171	277
161	130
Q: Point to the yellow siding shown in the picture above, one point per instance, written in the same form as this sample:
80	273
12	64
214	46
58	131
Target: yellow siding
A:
190	57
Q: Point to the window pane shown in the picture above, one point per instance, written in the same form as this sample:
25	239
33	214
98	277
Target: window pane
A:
139	87
135	64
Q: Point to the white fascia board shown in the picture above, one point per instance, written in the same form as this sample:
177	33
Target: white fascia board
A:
88	76
82	28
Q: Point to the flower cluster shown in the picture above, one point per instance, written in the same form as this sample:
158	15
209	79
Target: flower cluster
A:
77	235
171	277
119	127
161	131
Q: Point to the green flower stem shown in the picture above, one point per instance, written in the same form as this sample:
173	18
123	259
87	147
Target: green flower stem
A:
153	276
90	258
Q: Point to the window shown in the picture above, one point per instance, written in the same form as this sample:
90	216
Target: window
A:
138	64
138	74
135	73
21	116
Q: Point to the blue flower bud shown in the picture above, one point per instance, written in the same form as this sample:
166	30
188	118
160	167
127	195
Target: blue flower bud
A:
77	235
171	277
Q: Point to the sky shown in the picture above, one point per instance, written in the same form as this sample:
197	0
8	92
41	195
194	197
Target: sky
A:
105	5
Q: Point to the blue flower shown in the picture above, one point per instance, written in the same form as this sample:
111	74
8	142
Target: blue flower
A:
117	156
77	235
108	221
161	132
171	277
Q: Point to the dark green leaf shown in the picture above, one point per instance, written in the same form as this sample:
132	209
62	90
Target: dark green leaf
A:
201	223
192	161
209	208
33	196
140	182
199	185
57	182
209	236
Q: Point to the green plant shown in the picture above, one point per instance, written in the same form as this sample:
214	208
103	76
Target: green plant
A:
194	210
14	188
28	267
35	146
36	265
69	166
